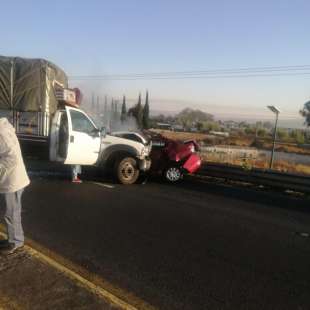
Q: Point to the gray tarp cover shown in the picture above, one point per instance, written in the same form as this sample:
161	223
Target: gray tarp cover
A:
33	84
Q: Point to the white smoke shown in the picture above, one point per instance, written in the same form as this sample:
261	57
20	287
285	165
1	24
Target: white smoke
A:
100	109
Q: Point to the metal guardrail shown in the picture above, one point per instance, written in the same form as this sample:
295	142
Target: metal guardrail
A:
257	176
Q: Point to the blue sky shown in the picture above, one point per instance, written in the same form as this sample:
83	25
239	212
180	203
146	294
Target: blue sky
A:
105	37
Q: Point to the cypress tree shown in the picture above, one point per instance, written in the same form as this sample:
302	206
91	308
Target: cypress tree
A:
105	104
139	112
115	112
112	106
111	114
92	102
124	110
146	112
105	111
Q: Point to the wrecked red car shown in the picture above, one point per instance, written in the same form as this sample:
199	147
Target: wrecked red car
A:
173	159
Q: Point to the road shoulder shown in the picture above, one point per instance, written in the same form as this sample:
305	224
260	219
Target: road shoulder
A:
29	283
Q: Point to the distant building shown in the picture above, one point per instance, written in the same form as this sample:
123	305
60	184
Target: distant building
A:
193	129
177	128
164	126
230	124
219	133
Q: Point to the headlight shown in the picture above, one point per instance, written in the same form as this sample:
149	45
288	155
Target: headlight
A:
145	151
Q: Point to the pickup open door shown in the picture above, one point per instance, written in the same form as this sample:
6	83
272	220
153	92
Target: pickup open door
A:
75	139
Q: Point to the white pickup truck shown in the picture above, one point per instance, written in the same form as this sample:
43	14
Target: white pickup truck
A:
75	139
45	120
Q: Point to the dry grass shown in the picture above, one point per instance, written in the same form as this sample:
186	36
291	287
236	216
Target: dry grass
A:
279	165
181	135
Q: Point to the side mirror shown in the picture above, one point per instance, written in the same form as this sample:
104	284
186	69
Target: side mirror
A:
103	131
94	133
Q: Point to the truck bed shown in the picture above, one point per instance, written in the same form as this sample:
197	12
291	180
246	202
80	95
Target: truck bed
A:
32	130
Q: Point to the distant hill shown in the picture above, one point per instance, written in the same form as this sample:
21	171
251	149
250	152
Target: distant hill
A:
286	123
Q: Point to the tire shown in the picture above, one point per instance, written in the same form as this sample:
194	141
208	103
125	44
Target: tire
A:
173	174
126	171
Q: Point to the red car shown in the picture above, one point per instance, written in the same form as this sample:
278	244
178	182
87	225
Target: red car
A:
170	158
173	158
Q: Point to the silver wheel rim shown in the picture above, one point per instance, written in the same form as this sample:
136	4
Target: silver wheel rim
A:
173	174
128	171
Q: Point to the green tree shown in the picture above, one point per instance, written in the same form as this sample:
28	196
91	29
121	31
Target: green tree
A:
300	139
116	117
298	136
105	111
114	111
137	112
112	107
124	110
211	126
249	130
261	132
146	113
282	134
305	112
105	104
199	126
188	117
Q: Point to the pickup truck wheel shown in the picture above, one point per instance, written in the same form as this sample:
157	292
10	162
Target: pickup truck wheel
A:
127	171
173	174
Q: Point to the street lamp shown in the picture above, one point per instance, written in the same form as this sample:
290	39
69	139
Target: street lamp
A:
275	110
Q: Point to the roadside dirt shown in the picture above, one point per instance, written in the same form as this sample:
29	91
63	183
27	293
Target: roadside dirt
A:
27	283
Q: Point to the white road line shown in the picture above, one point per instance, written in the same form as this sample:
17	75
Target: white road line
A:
103	184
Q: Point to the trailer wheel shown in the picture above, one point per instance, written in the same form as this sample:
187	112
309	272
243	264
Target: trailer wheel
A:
127	171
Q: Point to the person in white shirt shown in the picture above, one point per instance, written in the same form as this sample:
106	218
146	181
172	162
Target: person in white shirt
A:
13	180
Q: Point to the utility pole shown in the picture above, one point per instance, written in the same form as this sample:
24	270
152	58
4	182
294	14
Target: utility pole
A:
277	112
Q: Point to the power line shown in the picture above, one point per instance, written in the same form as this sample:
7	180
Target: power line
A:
191	77
219	73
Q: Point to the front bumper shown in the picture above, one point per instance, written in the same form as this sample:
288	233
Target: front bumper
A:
145	164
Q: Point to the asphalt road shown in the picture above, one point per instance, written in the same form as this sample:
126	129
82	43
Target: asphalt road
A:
187	246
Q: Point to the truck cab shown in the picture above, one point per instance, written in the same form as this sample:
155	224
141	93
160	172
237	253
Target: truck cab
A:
75	139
